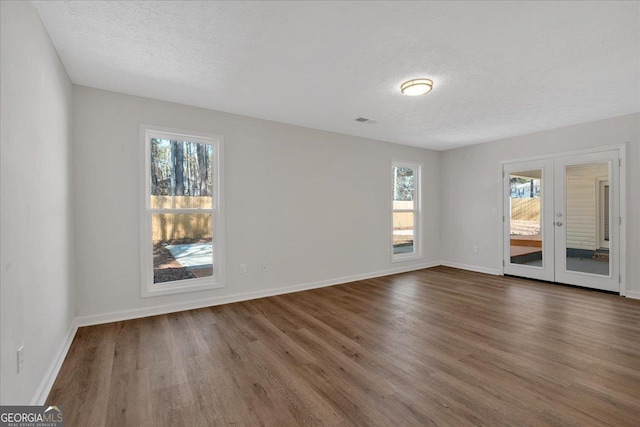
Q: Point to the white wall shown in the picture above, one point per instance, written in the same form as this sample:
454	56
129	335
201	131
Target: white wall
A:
471	188
36	268
313	205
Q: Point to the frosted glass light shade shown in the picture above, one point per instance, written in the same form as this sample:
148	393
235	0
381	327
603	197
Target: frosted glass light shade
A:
416	87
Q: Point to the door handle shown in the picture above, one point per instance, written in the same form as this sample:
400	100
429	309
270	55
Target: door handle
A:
559	223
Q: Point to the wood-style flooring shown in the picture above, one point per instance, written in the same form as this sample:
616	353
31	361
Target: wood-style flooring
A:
433	347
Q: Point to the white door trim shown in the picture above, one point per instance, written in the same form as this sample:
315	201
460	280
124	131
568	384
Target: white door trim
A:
620	147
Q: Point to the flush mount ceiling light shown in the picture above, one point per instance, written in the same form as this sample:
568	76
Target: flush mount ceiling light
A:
416	87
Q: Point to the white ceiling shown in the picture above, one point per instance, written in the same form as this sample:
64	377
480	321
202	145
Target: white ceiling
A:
500	68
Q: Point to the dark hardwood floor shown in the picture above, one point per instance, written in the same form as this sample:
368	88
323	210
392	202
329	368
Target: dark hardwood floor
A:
434	347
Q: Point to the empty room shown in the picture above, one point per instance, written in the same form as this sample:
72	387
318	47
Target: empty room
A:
282	213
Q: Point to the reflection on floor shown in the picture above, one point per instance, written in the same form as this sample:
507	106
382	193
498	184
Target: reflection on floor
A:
584	265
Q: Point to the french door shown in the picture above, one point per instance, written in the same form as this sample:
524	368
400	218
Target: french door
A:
561	220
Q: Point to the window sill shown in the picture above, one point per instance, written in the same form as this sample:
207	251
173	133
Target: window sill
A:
180	287
405	257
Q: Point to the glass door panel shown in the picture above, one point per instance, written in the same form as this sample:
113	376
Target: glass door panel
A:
528	236
587	228
585	218
525	219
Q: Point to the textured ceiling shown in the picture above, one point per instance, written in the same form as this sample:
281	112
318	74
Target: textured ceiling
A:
500	68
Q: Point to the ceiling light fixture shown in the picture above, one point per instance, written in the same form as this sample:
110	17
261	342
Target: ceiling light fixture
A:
416	87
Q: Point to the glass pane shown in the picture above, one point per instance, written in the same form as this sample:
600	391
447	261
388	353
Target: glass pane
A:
182	246
402	232
403	187
526	217
587	218
181	174
605	213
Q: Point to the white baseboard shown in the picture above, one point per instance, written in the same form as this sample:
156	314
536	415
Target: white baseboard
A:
209	302
50	376
492	271
633	294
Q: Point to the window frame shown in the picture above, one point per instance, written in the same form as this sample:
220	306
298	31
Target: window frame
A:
417	209
147	287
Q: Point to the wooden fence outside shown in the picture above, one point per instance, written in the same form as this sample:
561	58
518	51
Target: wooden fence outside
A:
197	226
526	209
181	227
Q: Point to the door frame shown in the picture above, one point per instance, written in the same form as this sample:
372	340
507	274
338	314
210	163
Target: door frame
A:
622	200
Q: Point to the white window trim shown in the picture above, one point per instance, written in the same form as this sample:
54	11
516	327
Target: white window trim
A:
417	212
147	287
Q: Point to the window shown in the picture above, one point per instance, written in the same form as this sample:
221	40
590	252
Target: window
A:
406	211
182	222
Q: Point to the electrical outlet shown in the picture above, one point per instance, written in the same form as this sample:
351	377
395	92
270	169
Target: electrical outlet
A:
475	249
243	268
20	358
263	267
